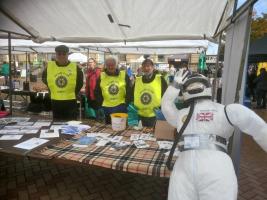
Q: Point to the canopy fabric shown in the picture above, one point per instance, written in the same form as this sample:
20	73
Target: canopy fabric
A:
112	20
150	47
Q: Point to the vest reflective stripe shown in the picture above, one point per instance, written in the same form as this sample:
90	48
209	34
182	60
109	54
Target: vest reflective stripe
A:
147	96
62	81
113	89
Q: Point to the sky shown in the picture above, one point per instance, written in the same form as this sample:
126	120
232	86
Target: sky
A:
260	7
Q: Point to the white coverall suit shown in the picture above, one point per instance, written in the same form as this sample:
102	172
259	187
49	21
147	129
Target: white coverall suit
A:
208	174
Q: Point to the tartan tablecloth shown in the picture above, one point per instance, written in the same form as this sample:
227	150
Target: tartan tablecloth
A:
148	161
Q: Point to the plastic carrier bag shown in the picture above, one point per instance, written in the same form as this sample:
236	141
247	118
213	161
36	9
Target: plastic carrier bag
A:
88	111
132	115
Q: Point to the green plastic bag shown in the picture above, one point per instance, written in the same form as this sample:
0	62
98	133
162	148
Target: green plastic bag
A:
132	115
88	111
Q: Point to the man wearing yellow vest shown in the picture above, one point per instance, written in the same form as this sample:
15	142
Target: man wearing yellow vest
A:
64	80
148	90
113	89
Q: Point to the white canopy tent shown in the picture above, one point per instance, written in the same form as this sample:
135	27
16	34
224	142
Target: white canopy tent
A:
113	20
151	47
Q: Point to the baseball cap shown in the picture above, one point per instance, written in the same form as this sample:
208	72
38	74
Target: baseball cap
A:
62	48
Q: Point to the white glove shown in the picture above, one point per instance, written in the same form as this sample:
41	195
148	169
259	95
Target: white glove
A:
180	77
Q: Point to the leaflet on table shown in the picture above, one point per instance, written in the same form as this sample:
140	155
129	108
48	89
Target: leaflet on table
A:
98	135
72	130
25	123
18	131
41	123
49	133
31	143
11	137
120	145
60	123
21	128
140	144
14	120
142	136
56	127
116	139
102	142
165	144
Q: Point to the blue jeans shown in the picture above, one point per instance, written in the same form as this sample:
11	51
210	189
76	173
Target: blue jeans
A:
122	108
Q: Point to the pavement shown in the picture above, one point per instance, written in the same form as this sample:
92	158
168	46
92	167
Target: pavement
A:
31	179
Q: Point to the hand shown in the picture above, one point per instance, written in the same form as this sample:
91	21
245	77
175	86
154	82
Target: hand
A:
180	77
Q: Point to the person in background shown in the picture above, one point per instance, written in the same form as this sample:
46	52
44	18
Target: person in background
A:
172	72
113	89
261	88
250	78
64	80
147	93
5	71
92	75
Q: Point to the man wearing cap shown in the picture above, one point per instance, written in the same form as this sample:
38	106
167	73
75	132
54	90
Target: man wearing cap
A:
64	80
147	93
113	89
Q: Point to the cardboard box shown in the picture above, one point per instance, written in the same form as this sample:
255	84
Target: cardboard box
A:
163	130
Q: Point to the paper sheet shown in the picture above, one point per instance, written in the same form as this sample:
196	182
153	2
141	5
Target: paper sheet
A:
31	143
11	137
49	133
41	123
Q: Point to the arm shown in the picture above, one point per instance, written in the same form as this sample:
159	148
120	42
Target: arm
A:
248	122
164	86
128	90
168	107
79	80
98	92
44	76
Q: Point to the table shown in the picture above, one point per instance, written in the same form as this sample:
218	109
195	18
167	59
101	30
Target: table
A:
150	161
22	93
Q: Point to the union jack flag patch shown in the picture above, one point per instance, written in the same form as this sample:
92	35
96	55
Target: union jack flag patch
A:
205	116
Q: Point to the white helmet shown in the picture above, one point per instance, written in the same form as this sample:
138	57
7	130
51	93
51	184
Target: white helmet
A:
196	86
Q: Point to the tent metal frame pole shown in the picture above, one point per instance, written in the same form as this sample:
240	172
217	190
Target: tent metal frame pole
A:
10	74
14	33
88	56
237	138
19	23
217	67
26	67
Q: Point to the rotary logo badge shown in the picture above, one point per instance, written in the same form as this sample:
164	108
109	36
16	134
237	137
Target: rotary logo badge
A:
146	98
61	81
113	89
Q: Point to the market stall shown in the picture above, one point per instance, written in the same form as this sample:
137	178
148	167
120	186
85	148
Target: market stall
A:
121	151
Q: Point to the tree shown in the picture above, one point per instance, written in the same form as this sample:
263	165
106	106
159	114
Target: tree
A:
258	27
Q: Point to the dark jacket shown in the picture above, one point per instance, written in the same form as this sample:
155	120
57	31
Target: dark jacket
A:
164	84
98	91
261	81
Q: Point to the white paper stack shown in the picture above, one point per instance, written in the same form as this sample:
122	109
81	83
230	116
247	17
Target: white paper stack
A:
31	143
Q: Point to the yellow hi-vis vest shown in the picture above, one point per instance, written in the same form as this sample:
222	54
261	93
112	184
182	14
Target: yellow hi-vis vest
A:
147	96
113	89
260	66
62	81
